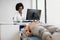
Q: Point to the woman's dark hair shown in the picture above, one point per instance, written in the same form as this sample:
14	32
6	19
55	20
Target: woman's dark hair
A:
19	5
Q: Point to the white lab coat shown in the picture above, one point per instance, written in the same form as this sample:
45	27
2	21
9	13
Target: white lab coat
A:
18	17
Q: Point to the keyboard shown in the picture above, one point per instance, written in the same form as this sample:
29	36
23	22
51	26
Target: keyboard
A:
28	21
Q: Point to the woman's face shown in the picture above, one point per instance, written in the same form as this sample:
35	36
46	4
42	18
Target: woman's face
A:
20	9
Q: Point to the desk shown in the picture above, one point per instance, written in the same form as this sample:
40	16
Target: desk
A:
9	31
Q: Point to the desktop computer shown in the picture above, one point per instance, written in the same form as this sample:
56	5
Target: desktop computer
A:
33	14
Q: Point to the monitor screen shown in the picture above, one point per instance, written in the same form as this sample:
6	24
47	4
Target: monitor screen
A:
33	14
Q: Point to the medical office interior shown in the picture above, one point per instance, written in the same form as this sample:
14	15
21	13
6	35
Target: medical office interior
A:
9	31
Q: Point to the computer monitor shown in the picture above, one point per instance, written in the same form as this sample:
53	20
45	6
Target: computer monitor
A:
33	14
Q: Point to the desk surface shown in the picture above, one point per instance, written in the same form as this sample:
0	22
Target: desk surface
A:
21	23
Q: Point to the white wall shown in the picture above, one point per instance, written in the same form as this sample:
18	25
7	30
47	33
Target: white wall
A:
7	9
41	7
53	12
27	4
0	32
33	4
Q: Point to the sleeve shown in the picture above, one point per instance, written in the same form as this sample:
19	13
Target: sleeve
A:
24	16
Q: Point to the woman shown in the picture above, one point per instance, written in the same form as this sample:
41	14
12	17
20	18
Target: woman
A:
19	16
